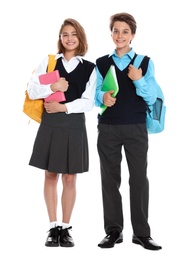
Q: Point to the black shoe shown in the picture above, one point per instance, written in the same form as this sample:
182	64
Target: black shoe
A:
146	242
113	237
65	238
53	237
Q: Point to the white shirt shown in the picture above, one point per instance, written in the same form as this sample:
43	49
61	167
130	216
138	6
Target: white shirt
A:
85	103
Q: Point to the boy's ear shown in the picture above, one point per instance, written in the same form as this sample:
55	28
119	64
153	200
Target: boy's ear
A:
132	37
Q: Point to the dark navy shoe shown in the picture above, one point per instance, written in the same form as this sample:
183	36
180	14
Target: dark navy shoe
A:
65	238
114	237
146	242
53	237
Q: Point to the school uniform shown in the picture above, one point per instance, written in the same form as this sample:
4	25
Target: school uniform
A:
61	143
124	126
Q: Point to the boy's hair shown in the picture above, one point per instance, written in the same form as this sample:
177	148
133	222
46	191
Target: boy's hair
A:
123	17
80	32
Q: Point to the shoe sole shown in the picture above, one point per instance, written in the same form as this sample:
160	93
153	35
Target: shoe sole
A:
63	245
120	240
52	245
135	241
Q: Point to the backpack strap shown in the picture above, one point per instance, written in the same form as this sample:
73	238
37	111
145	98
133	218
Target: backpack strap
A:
132	61
144	64
140	61
51	63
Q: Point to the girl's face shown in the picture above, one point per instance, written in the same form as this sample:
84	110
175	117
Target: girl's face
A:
69	38
121	35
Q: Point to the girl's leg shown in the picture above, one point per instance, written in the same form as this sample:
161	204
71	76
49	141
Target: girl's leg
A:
50	194
68	201
68	196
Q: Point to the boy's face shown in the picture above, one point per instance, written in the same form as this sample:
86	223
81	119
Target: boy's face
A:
122	35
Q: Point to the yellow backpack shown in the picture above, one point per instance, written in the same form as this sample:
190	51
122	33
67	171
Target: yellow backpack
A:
35	108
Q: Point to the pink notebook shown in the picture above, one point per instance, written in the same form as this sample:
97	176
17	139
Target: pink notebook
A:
56	96
49	78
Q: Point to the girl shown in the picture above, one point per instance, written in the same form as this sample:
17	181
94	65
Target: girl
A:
61	145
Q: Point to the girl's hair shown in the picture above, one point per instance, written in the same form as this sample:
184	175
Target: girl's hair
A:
80	32
123	17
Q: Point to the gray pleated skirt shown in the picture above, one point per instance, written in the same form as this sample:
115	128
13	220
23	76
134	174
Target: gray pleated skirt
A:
61	144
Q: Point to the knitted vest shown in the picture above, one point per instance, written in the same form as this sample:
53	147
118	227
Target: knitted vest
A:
129	107
77	78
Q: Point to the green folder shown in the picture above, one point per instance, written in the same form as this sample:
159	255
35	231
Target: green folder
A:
109	83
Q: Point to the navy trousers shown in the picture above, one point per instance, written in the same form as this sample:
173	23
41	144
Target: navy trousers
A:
111	140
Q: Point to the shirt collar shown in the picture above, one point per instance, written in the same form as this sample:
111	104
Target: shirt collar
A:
131	54
61	55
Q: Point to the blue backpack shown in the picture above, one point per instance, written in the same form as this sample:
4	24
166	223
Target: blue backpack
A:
155	114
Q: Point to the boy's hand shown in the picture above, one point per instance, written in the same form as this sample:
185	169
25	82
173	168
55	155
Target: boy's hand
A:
108	100
133	73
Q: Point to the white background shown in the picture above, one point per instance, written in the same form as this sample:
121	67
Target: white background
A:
29	31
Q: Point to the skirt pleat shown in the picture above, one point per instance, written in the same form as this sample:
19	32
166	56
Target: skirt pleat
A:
61	144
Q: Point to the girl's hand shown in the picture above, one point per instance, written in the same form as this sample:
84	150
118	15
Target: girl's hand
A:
54	107
60	85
